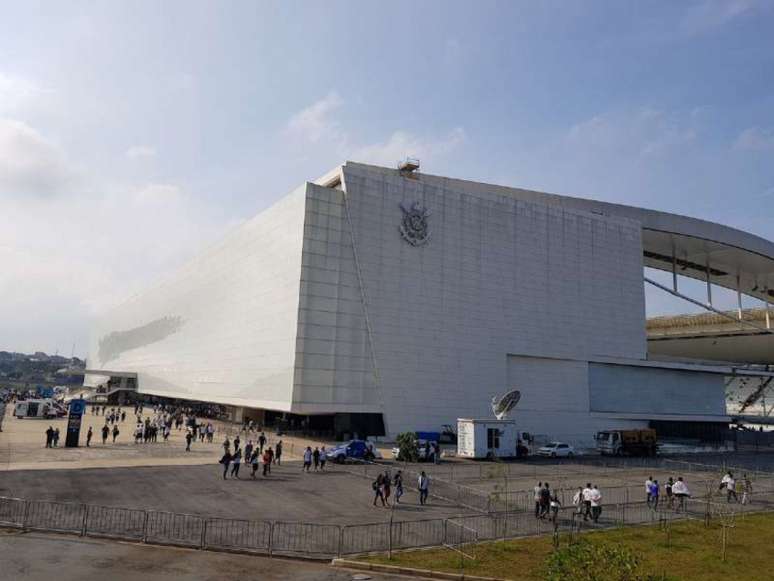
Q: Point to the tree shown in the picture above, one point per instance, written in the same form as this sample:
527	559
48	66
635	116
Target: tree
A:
408	446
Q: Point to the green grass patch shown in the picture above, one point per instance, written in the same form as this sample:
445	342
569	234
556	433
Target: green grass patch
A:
689	551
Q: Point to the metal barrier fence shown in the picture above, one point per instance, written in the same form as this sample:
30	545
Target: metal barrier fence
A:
327	540
623	506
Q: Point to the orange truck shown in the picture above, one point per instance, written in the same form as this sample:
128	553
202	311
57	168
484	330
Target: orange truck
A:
627	442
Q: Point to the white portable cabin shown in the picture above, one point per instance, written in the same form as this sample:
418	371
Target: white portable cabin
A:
486	438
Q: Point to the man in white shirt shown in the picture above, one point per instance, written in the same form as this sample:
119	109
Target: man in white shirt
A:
731	489
680	490
536	498
587	501
724	481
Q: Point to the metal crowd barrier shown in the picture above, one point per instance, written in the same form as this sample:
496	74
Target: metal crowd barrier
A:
330	540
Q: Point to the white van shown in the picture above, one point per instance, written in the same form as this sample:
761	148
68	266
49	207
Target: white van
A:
39	408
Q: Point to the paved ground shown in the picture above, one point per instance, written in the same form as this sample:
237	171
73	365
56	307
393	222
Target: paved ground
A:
330	497
41	557
22	445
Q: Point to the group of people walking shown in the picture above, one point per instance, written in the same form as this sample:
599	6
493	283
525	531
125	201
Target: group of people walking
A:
736	490
254	455
547	503
676	492
385	482
318	458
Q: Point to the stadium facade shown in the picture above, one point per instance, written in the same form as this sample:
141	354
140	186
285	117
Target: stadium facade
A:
375	301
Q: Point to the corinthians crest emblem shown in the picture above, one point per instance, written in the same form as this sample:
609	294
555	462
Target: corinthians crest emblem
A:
414	228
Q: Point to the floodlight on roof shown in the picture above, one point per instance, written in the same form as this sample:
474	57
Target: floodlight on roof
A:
408	165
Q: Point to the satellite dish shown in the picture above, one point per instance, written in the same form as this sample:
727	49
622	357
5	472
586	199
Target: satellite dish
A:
502	406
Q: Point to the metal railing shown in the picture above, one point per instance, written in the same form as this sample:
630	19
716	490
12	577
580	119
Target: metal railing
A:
331	540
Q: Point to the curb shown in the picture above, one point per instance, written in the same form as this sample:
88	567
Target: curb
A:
427	573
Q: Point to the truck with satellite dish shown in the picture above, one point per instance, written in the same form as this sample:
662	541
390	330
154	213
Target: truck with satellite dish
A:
491	438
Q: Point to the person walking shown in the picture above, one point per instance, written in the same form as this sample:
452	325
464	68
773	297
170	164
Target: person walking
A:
436	453
188	438
648	486
746	489
587	501
278	453
267	458
56	437
545	500
387	486
378	488
668	489
50	437
423	483
236	461
654	495
724	481
255	459
731	489
261	442
555	505
236	442
105	432
225	460
89	435
115	433
316	458
577	501
307	459
536	498
398	482
248	450
680	490
323	457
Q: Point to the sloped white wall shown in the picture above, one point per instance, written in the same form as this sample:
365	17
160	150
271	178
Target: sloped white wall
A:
223	328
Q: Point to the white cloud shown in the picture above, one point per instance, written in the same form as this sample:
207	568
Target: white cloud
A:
141	152
16	92
402	144
30	163
755	139
643	132
710	15
315	121
317	126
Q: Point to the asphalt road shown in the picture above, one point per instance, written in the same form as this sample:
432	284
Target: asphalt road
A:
288	494
42	557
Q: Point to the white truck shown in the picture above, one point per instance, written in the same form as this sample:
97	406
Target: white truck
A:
39	408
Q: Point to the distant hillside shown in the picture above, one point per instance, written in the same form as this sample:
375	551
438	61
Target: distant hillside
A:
39	367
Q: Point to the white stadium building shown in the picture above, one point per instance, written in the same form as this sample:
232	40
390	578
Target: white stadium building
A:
375	301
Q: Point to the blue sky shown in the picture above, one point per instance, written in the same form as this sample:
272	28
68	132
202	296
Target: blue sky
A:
134	134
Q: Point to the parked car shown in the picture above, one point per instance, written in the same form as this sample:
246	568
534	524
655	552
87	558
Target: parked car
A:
556	450
353	450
